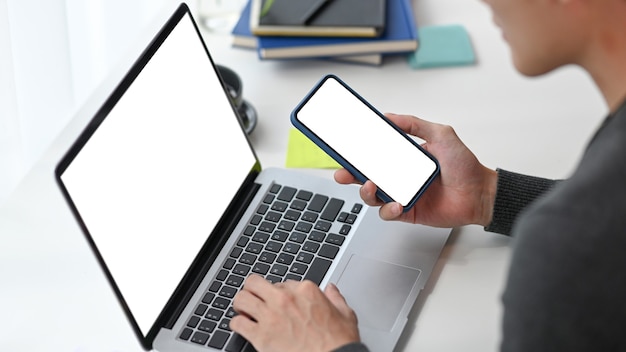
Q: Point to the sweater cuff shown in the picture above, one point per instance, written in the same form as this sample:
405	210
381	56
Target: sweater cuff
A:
514	192
352	347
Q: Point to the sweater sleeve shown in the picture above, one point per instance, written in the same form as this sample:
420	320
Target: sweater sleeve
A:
514	192
352	347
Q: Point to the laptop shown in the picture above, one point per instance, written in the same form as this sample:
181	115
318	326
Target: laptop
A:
178	211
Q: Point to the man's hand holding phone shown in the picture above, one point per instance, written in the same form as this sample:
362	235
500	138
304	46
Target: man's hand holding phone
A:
463	193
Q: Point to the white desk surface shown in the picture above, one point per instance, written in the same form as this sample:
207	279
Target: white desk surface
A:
53	296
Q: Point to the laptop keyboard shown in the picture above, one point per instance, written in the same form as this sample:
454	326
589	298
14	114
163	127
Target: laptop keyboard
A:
290	237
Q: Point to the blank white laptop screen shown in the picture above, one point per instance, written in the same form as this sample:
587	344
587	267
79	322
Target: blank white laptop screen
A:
157	174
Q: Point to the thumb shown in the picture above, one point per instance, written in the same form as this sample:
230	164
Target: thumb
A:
336	298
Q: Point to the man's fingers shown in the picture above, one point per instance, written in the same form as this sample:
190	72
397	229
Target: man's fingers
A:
244	326
344	177
368	194
336	298
390	211
413	125
258	286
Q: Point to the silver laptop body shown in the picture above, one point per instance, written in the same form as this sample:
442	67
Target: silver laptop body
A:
178	211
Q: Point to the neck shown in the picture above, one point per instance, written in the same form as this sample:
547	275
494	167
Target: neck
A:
605	57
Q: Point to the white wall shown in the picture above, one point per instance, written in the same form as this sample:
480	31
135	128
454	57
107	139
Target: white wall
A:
53	54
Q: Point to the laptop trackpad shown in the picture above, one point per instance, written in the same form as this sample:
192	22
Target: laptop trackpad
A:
376	290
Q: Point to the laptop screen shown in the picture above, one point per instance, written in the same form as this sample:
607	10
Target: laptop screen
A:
152	181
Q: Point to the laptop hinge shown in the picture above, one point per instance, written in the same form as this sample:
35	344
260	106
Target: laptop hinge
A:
208	253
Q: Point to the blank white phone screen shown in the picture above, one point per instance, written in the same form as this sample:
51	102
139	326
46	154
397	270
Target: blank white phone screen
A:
366	141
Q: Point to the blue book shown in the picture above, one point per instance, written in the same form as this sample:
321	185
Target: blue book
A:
243	38
400	36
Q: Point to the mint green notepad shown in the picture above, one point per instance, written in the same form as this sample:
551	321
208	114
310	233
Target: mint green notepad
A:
302	153
441	46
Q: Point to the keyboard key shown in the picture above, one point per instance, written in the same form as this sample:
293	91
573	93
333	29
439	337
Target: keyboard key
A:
293	277
219	339
298	268
249	231
268	199
297	237
214	314
266	226
286	225
249	348
291	248
279	269
241	269
186	334
200	337
260	268
356	208
275	188
304	195
255	248
328	251
247	258
304	227
332	209
261	237
310	246
228	292
207	326
287	193
317	203
215	286
273	216
284	258
335	239
304	257
318	269
280	236
273	246
201	309
262	209
221	303
317	236
279	206
236	343
236	252
351	219
323	226
193	321
225	324
222	275
309	216
298	205
230	312
256	219
292	215
208	298
342	216
235	280
345	229
243	241
267	257
229	263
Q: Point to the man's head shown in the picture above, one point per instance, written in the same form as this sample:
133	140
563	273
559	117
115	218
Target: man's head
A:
547	34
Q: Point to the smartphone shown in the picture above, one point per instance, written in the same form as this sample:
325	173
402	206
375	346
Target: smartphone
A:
364	141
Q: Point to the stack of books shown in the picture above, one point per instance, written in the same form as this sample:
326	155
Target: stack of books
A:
360	31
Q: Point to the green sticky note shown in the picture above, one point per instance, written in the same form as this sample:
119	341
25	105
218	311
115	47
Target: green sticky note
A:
302	153
442	46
